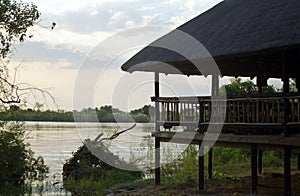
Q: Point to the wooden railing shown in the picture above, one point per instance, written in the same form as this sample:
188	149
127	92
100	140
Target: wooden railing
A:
255	109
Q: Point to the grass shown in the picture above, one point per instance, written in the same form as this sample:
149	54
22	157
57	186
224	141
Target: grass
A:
228	163
95	185
12	189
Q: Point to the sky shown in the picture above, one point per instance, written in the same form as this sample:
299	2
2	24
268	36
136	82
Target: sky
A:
79	61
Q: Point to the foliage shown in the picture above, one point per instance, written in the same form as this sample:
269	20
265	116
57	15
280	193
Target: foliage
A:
17	161
239	87
293	86
142	114
103	114
228	163
15	19
84	172
227	156
184	170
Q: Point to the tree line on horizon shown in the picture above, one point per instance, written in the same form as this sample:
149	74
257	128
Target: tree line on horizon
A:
108	113
103	114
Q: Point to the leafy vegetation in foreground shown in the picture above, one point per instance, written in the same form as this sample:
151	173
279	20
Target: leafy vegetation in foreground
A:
229	163
102	114
17	162
85	173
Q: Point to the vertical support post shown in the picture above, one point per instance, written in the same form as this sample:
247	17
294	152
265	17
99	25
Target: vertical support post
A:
214	93
201	168
201	116
260	91
254	169
157	161
260	154
298	161
210	161
261	81
215	85
157	141
287	149
156	94
286	89
287	170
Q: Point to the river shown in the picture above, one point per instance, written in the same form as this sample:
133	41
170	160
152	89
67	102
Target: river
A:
55	142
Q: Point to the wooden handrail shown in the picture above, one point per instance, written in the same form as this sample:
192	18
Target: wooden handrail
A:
247	109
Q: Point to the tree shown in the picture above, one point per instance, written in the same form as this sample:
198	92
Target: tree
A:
239	87
16	158
142	114
15	19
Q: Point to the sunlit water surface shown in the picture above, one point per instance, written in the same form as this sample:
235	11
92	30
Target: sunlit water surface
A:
56	141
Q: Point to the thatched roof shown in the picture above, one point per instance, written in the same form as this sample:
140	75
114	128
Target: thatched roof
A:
245	37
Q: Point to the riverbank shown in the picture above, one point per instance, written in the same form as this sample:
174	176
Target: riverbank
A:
268	184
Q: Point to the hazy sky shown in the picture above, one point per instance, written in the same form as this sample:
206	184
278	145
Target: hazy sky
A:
53	59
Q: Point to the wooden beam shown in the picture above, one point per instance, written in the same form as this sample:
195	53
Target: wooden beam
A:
254	169
286	89
157	161
157	140
201	168
210	162
298	161
215	85
214	93
298	84
264	141
260	154
287	170
261	81
156	94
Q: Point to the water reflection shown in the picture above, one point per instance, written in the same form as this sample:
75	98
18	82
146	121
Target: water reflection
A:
56	142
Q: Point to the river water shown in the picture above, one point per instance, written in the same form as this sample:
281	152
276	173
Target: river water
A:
55	142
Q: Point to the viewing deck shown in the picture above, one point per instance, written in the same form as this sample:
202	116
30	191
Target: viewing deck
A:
270	50
258	122
251	114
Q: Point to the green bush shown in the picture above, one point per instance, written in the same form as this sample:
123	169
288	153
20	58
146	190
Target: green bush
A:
17	162
184	170
84	172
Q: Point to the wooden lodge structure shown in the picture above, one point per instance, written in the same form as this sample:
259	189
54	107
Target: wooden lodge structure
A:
257	38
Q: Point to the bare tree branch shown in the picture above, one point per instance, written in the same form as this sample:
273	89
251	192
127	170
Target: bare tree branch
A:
114	136
12	92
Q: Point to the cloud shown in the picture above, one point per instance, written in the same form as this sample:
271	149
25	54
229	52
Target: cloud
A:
101	16
83	32
83	24
42	52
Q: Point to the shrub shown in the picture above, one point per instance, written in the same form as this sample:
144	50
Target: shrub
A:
17	162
